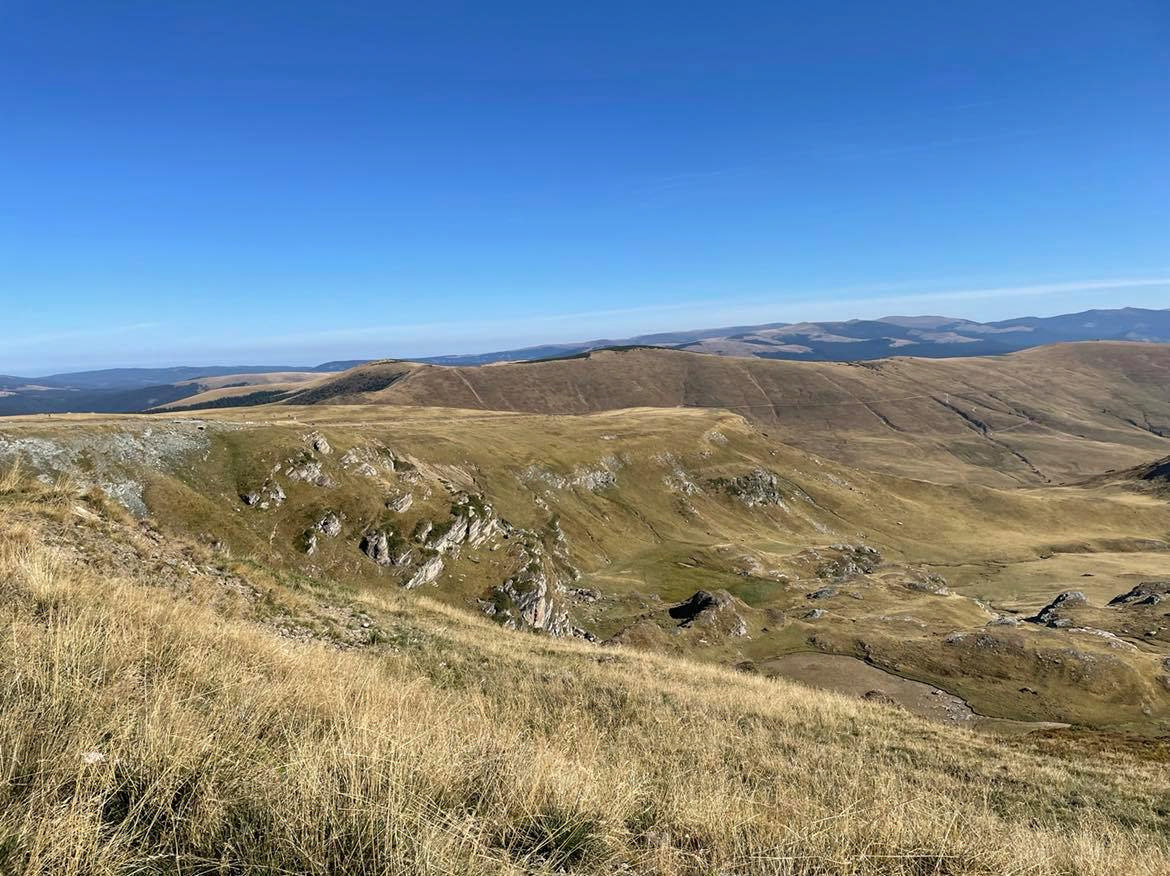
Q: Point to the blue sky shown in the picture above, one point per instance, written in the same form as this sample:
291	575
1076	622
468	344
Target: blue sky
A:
290	182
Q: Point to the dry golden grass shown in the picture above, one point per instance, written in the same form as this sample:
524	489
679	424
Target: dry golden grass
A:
143	731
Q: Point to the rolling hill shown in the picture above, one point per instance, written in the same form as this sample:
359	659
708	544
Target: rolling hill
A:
135	389
1038	416
558	613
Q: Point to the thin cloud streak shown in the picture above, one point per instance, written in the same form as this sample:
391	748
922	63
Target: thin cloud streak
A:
775	307
476	336
32	341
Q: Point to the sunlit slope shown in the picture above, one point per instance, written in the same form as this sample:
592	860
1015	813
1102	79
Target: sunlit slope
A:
1043	415
162	711
597	525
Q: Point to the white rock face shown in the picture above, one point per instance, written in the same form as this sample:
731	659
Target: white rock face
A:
271	495
524	600
318	443
399	504
309	473
329	525
426	573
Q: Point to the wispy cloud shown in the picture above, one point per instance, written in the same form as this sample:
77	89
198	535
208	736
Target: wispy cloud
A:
792	305
31	342
144	343
929	145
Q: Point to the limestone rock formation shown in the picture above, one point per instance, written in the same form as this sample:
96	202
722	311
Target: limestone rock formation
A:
386	548
329	525
317	441
270	495
757	488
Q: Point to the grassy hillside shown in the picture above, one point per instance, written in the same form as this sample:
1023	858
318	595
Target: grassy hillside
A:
159	715
1041	416
600	526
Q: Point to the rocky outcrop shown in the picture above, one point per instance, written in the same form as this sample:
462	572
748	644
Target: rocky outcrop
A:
386	548
329	525
757	488
535	595
850	561
310	473
699	602
1147	593
427	572
317	442
594	478
525	600
1052	615
271	495
716	611
472	522
400	503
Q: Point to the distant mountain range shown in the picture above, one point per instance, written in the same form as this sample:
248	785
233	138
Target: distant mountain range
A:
933	337
136	389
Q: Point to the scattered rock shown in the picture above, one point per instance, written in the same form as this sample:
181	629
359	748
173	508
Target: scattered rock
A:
851	560
1110	639
879	696
1003	620
268	496
597	478
758	487
935	584
583	594
815	614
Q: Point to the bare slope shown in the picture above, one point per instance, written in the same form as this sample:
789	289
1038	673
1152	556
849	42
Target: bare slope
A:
1043	415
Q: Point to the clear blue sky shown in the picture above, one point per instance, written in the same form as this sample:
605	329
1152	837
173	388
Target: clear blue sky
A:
288	182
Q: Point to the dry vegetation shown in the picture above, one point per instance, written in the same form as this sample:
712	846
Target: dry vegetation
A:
1042	415
148	729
